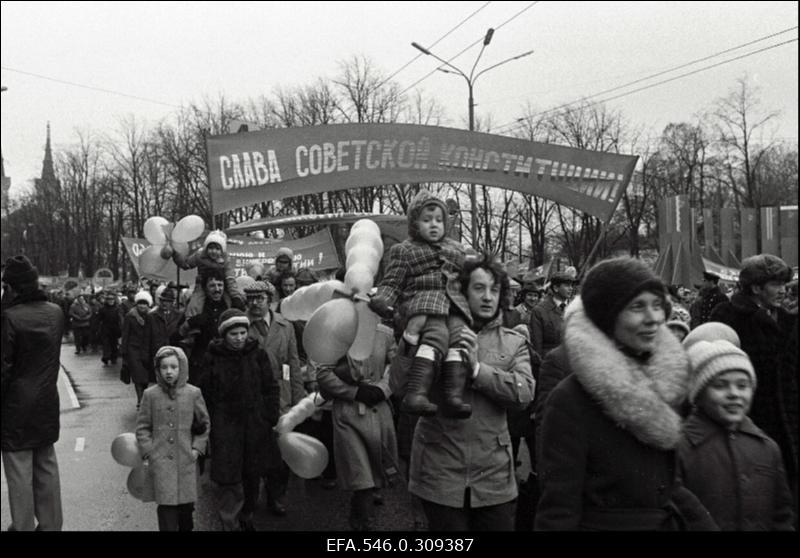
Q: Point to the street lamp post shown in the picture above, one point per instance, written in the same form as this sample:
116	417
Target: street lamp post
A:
470	84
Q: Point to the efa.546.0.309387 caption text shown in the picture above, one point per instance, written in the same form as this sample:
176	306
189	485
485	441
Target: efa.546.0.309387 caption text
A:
399	544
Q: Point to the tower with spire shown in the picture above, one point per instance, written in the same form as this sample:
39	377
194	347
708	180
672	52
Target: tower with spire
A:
48	184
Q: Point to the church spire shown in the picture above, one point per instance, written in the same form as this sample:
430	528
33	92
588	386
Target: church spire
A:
48	171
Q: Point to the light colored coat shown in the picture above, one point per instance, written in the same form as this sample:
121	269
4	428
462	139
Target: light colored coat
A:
164	433
364	440
280	344
449	455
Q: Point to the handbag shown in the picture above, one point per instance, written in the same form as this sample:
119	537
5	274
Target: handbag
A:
125	374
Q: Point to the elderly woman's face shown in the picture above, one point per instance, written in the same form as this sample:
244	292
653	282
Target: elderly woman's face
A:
637	325
483	294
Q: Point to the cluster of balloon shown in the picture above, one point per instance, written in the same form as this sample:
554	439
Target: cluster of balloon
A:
165	238
346	325
306	456
125	451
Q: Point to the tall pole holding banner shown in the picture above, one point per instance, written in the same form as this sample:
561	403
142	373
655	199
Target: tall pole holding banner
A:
470	83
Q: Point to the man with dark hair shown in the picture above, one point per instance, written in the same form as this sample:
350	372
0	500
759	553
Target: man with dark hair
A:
767	331
32	329
708	298
547	317
462	470
200	329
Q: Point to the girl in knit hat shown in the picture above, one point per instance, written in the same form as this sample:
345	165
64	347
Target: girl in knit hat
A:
213	255
242	397
609	429
422	275
731	465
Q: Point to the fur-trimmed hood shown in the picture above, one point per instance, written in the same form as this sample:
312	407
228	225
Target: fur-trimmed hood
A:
642	398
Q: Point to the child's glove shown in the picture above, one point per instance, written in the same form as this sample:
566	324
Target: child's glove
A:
370	395
379	305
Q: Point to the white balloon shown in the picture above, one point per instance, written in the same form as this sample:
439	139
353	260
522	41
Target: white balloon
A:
140	484
368	224
125	450
150	261
189	228
154	230
180	247
368	321
363	254
330	331
364	236
359	278
307	457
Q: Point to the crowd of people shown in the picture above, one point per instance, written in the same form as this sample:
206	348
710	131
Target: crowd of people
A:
642	406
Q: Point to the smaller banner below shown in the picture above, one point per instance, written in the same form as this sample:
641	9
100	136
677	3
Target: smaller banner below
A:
727	274
315	251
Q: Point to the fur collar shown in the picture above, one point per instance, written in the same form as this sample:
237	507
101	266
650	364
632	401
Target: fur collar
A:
640	397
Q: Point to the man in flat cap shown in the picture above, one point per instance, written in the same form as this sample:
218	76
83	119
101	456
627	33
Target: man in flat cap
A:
547	318
710	295
32	329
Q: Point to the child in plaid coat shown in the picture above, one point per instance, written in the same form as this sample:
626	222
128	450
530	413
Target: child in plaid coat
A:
422	274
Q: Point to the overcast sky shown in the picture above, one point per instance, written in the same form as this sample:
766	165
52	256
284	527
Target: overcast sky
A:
171	53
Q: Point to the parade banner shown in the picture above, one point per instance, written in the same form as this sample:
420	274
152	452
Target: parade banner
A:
708	233
727	274
727	216
770	231
789	234
253	167
315	251
749	232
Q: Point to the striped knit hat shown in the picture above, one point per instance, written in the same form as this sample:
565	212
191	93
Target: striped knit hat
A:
709	358
232	317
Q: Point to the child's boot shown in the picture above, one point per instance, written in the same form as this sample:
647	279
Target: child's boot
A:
454	380
420	379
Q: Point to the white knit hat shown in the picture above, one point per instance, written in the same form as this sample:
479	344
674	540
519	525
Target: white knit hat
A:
217	237
712	331
143	295
709	358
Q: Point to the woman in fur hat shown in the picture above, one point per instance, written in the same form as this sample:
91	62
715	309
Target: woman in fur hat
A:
135	345
610	428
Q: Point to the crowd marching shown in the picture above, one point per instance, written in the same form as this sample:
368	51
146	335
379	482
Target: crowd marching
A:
643	406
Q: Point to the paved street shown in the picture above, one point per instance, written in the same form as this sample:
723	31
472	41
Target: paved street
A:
93	489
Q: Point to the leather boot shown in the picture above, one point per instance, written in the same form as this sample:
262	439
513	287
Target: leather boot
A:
454	380
420	379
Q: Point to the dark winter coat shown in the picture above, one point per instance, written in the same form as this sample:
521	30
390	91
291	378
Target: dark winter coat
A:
701	309
204	326
546	325
170	424
766	342
555	367
80	314
110	321
738	476
31	350
242	398
608	434
135	347
163	329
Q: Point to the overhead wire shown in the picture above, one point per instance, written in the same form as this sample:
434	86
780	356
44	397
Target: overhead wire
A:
440	39
509	20
516	122
93	88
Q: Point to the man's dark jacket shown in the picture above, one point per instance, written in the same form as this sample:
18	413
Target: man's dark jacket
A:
32	329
